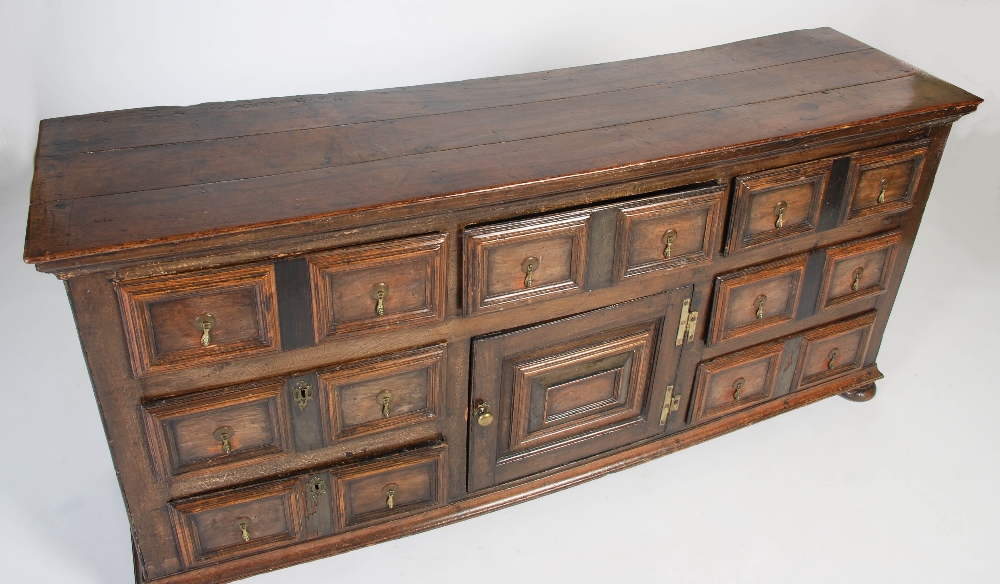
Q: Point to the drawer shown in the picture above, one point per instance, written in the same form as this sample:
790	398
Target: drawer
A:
378	286
188	320
239	522
519	262
756	298
833	350
389	488
732	382
858	269
669	231
384	393
218	429
882	181
774	205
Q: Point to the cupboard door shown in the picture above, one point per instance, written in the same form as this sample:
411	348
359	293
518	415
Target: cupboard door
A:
553	394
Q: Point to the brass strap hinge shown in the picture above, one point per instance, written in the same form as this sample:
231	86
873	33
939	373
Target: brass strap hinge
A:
688	323
671	403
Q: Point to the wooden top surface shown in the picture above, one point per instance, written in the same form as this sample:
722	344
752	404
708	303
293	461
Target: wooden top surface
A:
122	180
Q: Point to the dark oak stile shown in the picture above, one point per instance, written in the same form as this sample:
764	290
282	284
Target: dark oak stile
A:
316	323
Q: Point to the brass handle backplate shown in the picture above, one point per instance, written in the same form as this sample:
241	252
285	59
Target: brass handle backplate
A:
528	266
737	387
384	397
380	292
205	322
857	278
759	303
881	190
833	358
668	240
779	210
483	415
244	524
224	434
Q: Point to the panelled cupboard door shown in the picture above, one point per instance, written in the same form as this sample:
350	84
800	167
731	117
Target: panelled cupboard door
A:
556	393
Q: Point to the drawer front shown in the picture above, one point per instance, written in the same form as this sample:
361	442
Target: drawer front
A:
386	489
218	429
239	522
882	181
774	205
833	350
858	269
519	262
736	381
552	394
378	395
189	320
756	298
378	286
660	233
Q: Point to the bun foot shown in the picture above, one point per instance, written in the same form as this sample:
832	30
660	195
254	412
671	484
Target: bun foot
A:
862	394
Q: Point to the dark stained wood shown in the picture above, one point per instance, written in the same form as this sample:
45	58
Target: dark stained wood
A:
282	216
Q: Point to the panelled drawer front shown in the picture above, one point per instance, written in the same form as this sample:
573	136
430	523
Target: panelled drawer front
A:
756	298
774	205
883	181
518	262
858	269
381	394
218	429
239	522
670	231
378	286
834	350
736	381
166	318
386	489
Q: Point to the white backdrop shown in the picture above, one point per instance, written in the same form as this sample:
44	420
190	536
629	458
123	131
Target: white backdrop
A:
902	488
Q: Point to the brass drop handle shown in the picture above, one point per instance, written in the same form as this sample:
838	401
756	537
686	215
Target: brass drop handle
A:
390	499
759	303
384	397
204	323
881	190
483	415
779	210
244	524
668	239
380	292
528	266
224	434
833	358
857	278
737	386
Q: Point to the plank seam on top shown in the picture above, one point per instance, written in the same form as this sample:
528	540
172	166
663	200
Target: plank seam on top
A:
664	83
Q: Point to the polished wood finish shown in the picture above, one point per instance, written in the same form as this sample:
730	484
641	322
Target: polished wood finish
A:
474	387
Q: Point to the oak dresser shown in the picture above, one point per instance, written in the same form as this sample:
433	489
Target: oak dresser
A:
315	323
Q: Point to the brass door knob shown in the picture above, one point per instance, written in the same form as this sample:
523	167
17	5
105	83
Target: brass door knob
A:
483	415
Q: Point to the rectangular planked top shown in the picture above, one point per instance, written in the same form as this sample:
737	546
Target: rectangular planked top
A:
112	182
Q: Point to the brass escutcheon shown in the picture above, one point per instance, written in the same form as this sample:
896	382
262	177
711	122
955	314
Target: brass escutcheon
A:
205	322
316	487
383	398
668	239
302	392
528	266
380	292
759	303
244	524
224	434
737	386
832	357
881	191
857	278
779	210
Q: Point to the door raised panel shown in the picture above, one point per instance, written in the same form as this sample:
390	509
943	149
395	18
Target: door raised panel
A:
569	389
